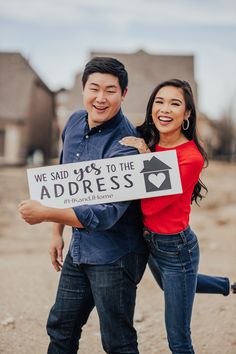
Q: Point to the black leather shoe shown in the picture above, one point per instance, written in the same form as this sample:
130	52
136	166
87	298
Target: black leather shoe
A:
233	288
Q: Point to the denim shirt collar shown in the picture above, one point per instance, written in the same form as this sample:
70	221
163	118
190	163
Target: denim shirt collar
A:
110	124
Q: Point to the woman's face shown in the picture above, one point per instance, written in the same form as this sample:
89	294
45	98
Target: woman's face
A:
169	110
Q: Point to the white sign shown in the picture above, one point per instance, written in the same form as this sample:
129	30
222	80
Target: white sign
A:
107	180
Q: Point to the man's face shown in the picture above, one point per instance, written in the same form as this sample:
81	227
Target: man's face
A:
102	98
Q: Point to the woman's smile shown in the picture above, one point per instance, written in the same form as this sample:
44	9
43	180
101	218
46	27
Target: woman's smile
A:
164	120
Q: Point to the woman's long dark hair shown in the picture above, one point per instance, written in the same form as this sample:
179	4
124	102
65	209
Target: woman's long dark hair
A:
151	134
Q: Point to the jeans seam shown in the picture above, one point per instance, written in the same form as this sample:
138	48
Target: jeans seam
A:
185	309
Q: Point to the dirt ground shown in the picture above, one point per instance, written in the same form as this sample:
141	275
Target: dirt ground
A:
28	281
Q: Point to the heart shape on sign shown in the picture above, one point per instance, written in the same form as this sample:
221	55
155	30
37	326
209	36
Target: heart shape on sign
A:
158	179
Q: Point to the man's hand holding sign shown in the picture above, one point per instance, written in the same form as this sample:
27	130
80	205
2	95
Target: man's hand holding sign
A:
34	212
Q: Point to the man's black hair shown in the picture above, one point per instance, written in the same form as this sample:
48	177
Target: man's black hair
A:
106	65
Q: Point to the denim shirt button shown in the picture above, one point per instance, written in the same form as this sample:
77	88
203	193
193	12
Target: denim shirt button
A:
86	136
77	154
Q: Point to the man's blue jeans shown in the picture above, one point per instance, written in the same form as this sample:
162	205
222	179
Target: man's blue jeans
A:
174	263
112	289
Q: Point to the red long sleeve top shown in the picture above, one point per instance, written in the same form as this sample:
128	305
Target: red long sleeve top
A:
170	214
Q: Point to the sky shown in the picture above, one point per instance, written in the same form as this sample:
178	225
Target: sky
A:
56	36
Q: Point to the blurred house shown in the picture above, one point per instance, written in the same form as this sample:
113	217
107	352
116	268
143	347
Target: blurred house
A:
209	133
63	107
145	72
27	117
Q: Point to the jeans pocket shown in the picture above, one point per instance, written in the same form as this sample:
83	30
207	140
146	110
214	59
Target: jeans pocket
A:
167	248
150	244
192	246
189	256
194	254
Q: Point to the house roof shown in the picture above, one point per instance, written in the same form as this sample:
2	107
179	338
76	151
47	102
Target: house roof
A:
154	165
145	71
16	80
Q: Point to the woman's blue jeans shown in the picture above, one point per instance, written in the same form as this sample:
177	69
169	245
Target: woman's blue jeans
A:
174	263
112	289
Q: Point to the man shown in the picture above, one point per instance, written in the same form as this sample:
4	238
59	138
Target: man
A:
107	254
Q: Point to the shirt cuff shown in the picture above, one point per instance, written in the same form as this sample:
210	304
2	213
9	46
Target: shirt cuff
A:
86	216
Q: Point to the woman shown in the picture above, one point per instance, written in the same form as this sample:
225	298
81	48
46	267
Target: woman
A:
170	123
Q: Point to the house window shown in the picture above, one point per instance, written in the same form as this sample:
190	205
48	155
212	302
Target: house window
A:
2	142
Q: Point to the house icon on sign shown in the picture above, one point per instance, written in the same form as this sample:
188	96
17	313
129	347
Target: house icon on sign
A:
156	175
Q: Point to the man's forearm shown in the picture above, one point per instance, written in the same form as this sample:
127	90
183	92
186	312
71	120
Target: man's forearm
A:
62	216
34	212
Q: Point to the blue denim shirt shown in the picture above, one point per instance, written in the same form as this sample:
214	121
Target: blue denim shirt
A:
110	230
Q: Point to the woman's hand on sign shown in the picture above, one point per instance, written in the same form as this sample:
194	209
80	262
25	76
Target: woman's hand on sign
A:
137	143
32	211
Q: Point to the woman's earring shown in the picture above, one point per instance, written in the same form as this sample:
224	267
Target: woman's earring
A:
187	126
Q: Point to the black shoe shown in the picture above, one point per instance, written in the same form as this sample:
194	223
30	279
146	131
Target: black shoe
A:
233	288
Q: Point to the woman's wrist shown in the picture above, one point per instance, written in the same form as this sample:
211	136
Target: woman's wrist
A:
144	148
137	143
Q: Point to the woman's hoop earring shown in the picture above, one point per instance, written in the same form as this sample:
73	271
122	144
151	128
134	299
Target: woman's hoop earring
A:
187	126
